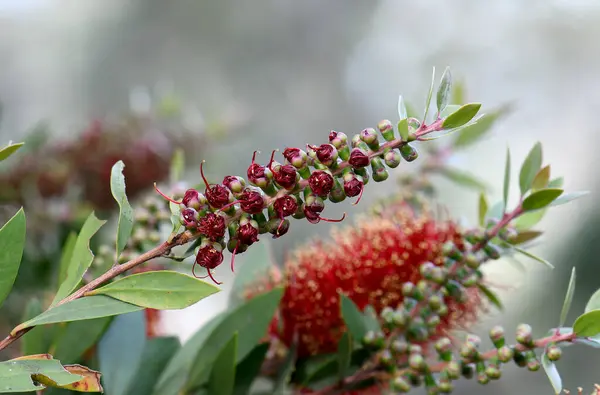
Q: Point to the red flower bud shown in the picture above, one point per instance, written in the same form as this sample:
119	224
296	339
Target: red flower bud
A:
326	153
285	175
191	198
358	158
190	217
212	226
353	186
217	195
338	139
285	206
295	156
251	201
320	182
209	256
248	233
257	174
234	183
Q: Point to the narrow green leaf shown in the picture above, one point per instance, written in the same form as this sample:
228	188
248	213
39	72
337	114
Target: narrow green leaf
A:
525	236
177	165
353	318
530	167
117	187
458	92
568	197
248	369
158	350
371	319
8	150
492	297
16	375
33	342
252	266
65	258
594	302
463	178
120	351
344	355
542	178
80	309
254	316
222	375
78	337
443	93
496	211
556	183
506	188
540	199
529	220
285	371
12	242
568	299
450	109
461	116
533	256
175	217
403	129
402	113
552	373
429	95
473	133
587	324
162	290
483	208
81	259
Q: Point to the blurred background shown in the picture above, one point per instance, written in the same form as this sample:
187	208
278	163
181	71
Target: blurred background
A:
225	78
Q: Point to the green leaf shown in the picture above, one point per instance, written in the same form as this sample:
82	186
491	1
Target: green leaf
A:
16	375
458	92
120	351
568	197
8	150
249	368
568	299
450	109
12	242
463	178
552	373
556	183
175	374
78	337
530	167
429	95
85	308
403	129
222	375
65	258
344	355
117	187
162	290
353	318
175	217
461	116
506	187
594	302
525	236
532	256
158	350
285	372
254	316
177	165
35	341
542	178
483	208
496	211
473	133
81	259
492	297
587	324
402	113
371	321
529	220
252	266
443	93
540	199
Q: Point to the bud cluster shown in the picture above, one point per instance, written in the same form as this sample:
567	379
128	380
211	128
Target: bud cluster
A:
232	214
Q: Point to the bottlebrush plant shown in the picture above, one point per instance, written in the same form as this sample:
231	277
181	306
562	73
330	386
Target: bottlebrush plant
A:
378	308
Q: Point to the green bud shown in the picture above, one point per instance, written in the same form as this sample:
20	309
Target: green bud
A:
399	347
415	349
392	159
444	348
386	129
472	261
445	386
400	318
505	354
408	153
369	338
435	302
337	193
554	353
492	251
386	358
497	336
379	171
399	384
453	370
408	289
533	365
519	359
369	137
467	371
416	362
525	334
493	372
433	321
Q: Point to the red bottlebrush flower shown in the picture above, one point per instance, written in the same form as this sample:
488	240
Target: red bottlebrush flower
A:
369	263
326	153
257	174
212	226
296	157
217	195
234	183
251	201
320	182
209	256
358	158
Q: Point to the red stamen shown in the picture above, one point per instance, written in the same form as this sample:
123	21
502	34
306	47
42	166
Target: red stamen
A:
233	256
359	196
212	278
225	207
165	196
202	174
280	224
270	165
254	155
333	220
312	147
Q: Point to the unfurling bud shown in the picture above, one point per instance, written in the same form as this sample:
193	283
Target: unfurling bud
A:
358	158
327	154
386	129
408	153
295	157
379	171
353	185
247	232
369	137
234	183
193	199
257	174
392	158
285	176
321	183
190	218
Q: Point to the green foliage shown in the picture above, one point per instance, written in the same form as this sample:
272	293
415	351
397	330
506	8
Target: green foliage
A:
506	187
476	131
253	265
542	178
285	371
444	90
125	224
155	357
403	129
12	242
75	338
402	112
568	197
463	178
491	296
222	374
249	368
161	290
483	208
530	167
344	354
429	96
568	299
18	375
552	373
461	116
9	149
540	199
353	318
65	258
587	324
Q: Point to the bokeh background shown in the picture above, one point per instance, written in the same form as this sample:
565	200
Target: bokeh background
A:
283	73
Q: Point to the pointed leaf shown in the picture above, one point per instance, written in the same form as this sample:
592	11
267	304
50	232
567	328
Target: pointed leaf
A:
461	116
530	167
402	113
80	309
81	259
568	197
249	368
568	299
532	256
483	208
8	150
525	236
371	319
556	183
552	373
429	95
65	258
587	324
222	376
177	165
594	302
492	297
344	355
286	370
12	242
529	220
463	178
77	337
450	109
353	318
117	187
542	178
506	187
19	375
403	129
162	290
540	199
252	266
159	350
443	93
473	133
